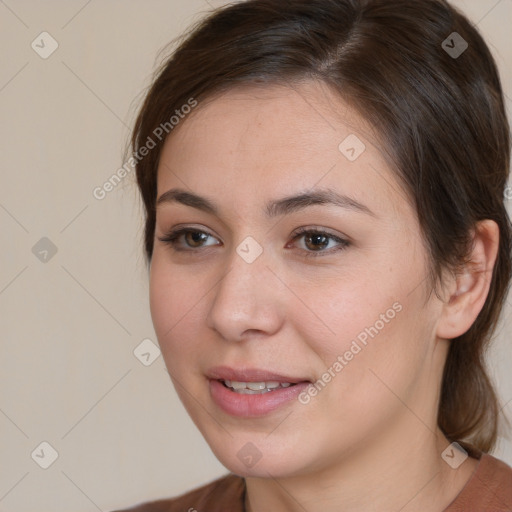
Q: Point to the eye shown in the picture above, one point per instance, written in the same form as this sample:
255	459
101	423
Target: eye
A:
317	240
193	238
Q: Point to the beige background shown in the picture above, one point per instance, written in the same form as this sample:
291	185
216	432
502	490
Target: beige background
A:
69	326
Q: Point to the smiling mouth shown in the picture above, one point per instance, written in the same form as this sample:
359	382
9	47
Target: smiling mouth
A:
254	388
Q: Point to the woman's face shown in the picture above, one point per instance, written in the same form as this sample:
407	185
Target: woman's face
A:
326	296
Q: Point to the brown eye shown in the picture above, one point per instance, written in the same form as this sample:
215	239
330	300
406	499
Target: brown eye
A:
194	239
316	242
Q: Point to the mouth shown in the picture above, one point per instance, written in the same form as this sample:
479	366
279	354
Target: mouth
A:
248	392
255	388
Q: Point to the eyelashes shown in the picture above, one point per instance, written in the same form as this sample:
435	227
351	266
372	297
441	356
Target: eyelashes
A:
312	236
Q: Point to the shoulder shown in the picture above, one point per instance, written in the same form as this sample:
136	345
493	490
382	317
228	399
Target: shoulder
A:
498	477
489	488
225	494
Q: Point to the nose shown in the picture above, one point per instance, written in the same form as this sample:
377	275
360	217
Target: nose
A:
248	300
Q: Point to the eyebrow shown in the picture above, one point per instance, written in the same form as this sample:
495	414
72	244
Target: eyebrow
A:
274	208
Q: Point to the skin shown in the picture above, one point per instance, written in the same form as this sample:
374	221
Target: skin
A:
369	440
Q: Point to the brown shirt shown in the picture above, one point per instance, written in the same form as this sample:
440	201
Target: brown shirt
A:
488	490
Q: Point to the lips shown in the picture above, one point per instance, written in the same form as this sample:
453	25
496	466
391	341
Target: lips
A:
225	373
250	392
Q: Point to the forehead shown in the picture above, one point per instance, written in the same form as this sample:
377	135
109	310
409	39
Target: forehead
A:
306	118
262	140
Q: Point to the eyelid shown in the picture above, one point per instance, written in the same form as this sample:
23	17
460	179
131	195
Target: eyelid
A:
317	229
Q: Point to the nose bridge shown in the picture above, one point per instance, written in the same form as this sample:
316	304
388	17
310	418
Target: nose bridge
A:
246	298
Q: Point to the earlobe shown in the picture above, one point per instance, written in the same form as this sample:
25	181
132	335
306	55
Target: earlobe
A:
471	285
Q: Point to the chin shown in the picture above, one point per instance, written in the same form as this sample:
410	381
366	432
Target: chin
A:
276	468
260	456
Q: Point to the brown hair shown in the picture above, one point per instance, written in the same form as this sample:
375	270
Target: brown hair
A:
441	117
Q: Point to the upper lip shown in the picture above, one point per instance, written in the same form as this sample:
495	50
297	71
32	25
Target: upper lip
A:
250	375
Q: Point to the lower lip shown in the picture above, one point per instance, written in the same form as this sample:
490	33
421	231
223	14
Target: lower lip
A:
250	406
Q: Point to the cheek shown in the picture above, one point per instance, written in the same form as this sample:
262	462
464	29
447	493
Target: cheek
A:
379	366
161	300
371	326
353	309
175	304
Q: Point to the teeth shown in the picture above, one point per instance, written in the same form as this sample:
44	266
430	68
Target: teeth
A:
255	388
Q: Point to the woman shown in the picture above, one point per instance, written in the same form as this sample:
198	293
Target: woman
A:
329	253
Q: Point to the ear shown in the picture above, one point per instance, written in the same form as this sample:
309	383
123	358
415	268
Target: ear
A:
469	289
